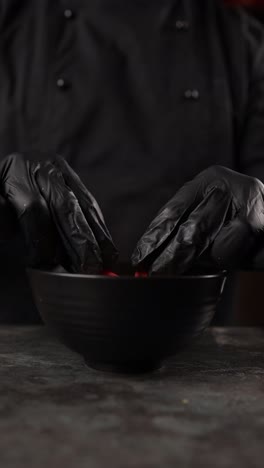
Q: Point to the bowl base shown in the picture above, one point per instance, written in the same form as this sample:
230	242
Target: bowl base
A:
140	367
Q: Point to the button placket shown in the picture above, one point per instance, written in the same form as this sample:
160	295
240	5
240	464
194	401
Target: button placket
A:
63	83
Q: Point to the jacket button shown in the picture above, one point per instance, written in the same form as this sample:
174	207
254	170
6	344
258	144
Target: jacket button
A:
62	83
192	94
182	25
68	13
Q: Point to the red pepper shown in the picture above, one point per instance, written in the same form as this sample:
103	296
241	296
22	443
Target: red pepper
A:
141	274
138	274
109	273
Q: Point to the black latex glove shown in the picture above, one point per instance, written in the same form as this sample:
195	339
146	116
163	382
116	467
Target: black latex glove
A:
217	219
60	220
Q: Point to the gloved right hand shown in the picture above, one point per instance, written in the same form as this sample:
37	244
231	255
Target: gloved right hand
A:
214	221
59	218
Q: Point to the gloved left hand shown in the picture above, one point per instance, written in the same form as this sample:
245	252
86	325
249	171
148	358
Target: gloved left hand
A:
217	220
42	198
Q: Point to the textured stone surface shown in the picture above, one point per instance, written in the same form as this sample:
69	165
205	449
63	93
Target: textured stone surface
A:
205	408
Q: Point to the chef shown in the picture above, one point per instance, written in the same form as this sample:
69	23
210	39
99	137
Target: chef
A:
128	127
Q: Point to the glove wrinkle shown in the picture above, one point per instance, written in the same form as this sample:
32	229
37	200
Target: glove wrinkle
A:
164	227
76	234
91	211
192	238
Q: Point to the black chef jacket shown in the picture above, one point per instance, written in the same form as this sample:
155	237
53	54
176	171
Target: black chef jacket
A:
138	95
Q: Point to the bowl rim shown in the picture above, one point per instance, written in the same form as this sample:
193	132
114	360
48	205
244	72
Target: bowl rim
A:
220	274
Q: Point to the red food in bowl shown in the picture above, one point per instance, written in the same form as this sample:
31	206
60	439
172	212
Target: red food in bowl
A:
138	274
110	273
141	274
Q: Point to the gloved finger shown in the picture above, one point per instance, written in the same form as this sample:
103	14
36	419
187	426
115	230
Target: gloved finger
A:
76	234
21	192
9	224
233	244
195	235
91	211
164	227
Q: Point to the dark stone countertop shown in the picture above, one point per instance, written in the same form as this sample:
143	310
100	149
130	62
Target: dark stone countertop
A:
205	408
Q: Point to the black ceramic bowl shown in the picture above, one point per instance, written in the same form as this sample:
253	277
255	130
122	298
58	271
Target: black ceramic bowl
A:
126	324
